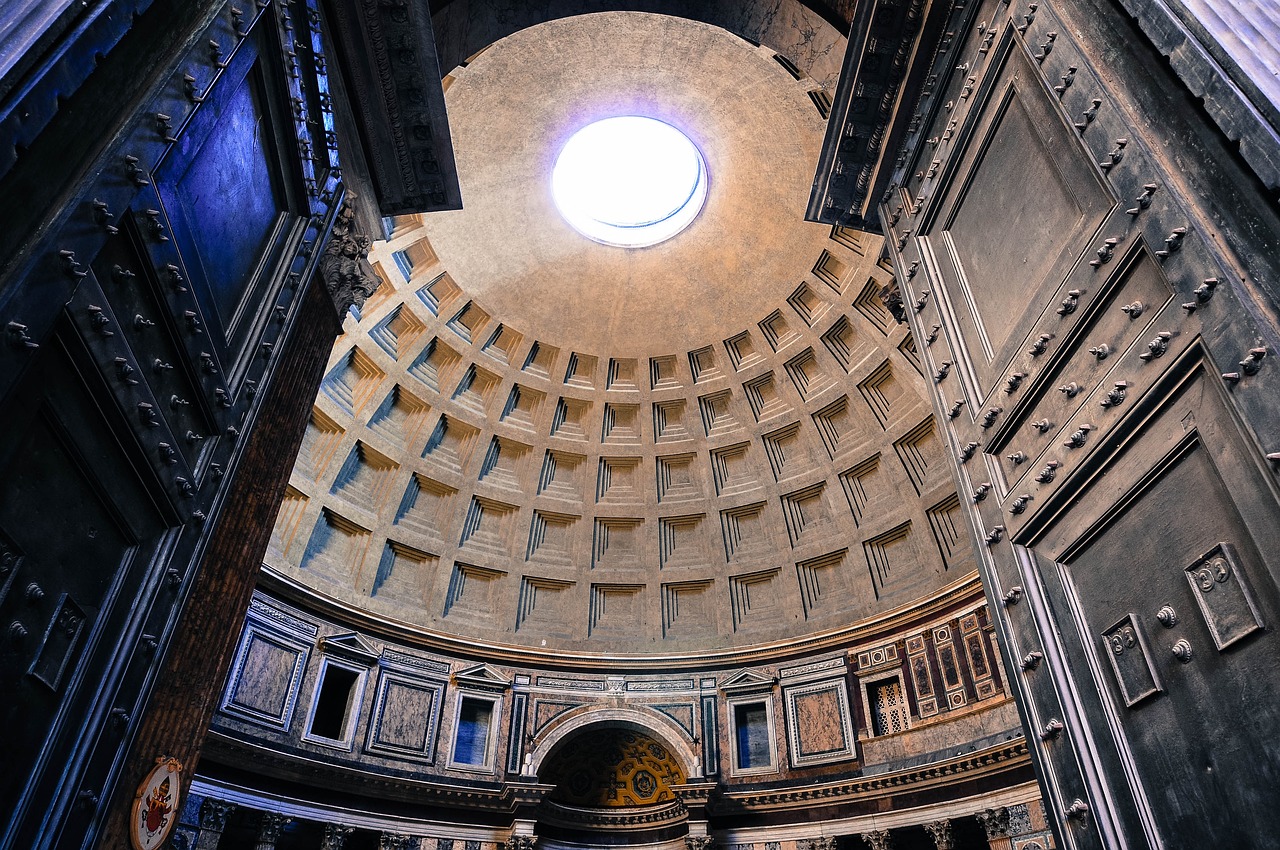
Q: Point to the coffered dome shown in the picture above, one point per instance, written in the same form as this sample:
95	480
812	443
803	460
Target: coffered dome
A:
533	440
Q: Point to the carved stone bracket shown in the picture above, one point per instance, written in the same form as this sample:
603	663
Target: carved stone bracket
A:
344	266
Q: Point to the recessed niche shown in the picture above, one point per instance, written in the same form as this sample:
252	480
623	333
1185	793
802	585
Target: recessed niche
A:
830	269
469	321
702	363
807	304
617	542
619	480
733	470
477	389
434	366
872	306
806	511
777	330
682	541
570	419
788	451
350	383
662	372
676	478
669	420
581	370
562	475
717	415
502	344
426	507
523	406
742	350
397	333
540	359
622	374
621	423
439	294
400	417
839	341
809	377
450	444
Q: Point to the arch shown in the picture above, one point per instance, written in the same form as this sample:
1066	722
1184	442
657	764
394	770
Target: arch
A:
677	741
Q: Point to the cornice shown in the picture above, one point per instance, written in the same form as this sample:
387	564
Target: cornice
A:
995	759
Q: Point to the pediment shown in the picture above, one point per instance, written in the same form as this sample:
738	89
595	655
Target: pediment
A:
351	646
481	677
747	681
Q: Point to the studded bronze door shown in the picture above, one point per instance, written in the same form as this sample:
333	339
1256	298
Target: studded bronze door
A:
1085	264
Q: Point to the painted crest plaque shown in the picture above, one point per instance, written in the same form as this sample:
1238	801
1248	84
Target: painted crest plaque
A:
156	805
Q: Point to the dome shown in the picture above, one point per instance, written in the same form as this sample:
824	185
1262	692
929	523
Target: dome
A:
531	439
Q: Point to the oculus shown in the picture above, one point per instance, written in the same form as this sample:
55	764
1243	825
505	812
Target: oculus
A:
629	181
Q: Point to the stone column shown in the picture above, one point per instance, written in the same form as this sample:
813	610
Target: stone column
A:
213	819
269	830
995	822
335	836
878	840
940	832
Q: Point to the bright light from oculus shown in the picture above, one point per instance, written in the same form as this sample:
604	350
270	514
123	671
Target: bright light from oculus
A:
629	181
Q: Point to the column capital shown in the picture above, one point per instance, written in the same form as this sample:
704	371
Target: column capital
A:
940	832
335	836
214	814
995	822
878	840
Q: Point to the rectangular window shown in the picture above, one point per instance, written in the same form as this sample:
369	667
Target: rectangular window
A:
888	706
471	739
388	226
751	730
331	712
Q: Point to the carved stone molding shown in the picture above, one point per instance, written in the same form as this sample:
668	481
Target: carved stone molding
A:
214	814
269	829
940	832
521	842
878	840
995	822
335	836
344	266
395	841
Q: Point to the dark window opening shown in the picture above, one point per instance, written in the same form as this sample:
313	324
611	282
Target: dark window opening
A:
751	725
471	742
333	702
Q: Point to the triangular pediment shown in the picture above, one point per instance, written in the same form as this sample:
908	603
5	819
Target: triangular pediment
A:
747	681
481	677
351	646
